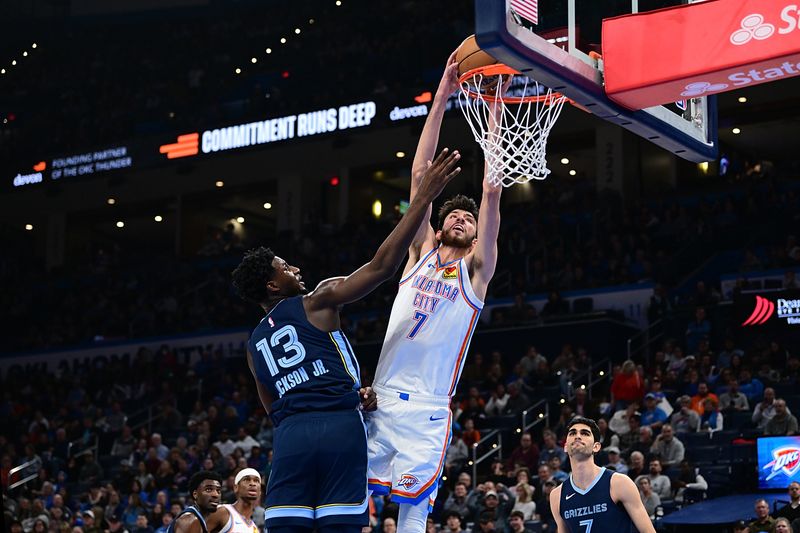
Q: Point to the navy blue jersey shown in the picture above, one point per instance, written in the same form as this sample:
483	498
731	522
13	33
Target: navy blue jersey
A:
304	369
189	510
593	509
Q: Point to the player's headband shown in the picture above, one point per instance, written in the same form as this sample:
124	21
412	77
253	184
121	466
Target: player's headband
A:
246	472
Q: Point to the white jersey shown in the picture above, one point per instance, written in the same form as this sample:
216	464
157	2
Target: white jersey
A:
237	523
430	328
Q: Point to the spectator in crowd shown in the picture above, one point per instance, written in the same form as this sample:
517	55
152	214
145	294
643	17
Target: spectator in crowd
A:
660	483
161	450
89	523
763	521
469	434
457	501
645	441
496	406
124	444
782	525
685	419
668	448
615	462
791	511
620	420
389	525
607	437
531	360
711	419
698	329
543	510
485	523
751	387
142	525
555	469
91	472
526	454
524	502
225	445
733	400
115	525
627	386
689	479
452	522
740	526
543	475
783	423
457	454
650	499
703	393
166	520
516	522
517	400
652	416
765	409
629	440
496	500
550	448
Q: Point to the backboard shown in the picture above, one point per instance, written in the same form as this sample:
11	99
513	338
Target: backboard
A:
561	49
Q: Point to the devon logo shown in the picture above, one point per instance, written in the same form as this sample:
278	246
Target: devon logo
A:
786	460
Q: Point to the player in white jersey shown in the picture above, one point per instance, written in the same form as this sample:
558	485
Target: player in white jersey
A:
433	317
238	517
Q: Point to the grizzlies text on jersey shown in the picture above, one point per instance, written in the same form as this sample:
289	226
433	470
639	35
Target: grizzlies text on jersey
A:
593	509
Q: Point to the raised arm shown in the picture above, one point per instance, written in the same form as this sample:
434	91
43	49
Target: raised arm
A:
389	255
426	149
623	490
484	257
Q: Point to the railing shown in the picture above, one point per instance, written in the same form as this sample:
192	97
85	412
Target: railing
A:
24	480
93	449
645	339
539	413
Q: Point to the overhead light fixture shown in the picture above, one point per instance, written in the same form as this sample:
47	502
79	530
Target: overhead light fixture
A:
111	201
572	172
377	208
283	40
564	161
238	71
14	62
220	184
120	224
267	205
29	227
736	131
268	50
240	220
742	99
400	155
297	31
158	218
311	21
253	60
25	54
338	2
33	45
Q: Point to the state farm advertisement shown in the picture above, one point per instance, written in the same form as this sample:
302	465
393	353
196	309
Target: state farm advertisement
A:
699	49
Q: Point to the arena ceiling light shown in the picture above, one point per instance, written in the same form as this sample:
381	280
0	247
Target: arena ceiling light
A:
29	227
267	205
158	218
240	220
120	224
564	161
742	99
111	201
400	154
219	184
572	172
736	131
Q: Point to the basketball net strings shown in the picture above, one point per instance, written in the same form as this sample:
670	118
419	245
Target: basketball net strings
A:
516	148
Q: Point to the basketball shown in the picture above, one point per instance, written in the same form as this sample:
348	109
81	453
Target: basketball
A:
469	56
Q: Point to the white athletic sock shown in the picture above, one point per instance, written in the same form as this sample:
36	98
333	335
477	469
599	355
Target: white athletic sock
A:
413	518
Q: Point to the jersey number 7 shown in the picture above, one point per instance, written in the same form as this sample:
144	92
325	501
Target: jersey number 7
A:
419	318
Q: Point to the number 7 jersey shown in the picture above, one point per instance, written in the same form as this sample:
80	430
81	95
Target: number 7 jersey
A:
303	368
430	328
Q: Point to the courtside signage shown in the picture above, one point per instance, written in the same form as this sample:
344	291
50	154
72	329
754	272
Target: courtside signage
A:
778	462
772	308
723	45
271	130
75	165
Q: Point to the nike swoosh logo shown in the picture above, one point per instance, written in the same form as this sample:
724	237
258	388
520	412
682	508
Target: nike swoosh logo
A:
434	419
571	495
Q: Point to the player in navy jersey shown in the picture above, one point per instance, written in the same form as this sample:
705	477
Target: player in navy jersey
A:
308	377
594	498
205	488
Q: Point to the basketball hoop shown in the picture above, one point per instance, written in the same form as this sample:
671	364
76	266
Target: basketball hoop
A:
515	146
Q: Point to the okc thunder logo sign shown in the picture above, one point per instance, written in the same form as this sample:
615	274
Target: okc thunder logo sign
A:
786	460
407	481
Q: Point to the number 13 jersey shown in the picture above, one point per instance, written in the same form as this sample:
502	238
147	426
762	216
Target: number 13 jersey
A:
432	321
303	367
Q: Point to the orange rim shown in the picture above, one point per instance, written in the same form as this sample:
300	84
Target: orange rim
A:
498	69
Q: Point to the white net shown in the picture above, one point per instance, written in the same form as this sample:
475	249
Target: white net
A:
515	143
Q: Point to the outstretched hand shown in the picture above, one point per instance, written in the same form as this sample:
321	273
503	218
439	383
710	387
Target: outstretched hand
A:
439	173
449	82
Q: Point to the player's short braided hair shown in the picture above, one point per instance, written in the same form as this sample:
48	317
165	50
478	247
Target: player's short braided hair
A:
251	276
458	201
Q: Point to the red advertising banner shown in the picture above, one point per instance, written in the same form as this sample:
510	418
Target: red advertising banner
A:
699	49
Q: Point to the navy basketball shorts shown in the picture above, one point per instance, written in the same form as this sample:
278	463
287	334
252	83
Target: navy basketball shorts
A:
319	471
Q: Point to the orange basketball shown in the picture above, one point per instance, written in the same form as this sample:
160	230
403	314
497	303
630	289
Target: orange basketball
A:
470	56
